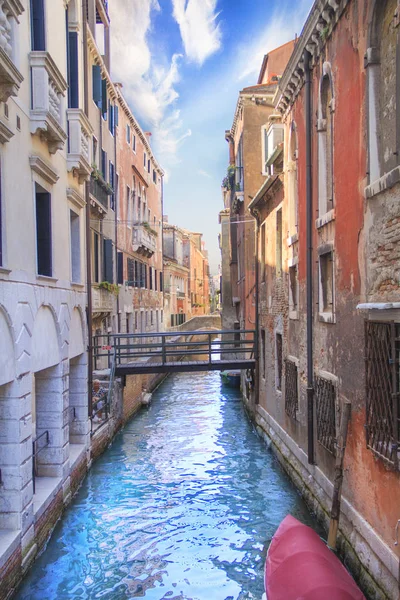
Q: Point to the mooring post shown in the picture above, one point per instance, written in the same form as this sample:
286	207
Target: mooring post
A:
337	485
164	356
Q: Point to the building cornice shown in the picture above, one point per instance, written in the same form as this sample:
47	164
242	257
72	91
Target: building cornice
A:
94	51
44	169
243	95
264	194
135	125
317	29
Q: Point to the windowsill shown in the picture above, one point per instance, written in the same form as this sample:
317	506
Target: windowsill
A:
47	278
326	317
77	284
292	239
325	219
382	184
47	489
4	271
294	315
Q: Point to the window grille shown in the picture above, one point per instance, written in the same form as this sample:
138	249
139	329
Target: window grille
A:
279	346
325	396
291	389
382	341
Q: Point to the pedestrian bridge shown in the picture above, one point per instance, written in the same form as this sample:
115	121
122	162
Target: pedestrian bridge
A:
179	351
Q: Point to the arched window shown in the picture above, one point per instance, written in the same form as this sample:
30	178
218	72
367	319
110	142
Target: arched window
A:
292	180
380	61
325	142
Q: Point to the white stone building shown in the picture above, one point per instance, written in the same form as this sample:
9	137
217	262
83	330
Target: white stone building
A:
44	161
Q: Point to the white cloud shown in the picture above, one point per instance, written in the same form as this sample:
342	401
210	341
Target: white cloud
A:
200	32
149	85
204	174
280	28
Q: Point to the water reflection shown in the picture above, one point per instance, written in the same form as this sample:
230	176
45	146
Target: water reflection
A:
182	506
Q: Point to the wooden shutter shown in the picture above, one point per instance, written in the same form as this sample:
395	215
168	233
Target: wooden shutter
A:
38	41
104	164
120	268
151	277
108	261
155	280
104	98
161	281
96	84
137	275
43	233
73	70
145	276
116	116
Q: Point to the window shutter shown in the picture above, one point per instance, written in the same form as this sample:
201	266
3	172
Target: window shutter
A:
136	278
108	261
38	41
104	98
120	268
73	71
155	280
161	281
43	233
104	164
96	84
116	116
145	276
151	277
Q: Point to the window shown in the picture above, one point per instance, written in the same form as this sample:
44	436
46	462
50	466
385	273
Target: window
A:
325	399
128	134
278	361
38	40
144	159
239	171
293	291
381	58
151	278
326	284
96	258
130	263
154	176
111	116
128	206
291	388
155	280
325	142
148	166
382	343
263	352
161	282
279	243
43	232
292	180
112	184
75	247
134	142
272	138
104	164
151	318
120	268
263	265
136	320
73	69
94	149
97	85
108	256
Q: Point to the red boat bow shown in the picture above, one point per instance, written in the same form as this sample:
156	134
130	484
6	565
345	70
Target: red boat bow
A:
300	566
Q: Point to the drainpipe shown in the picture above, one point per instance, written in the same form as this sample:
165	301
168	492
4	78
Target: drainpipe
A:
257	336
116	192
309	215
87	212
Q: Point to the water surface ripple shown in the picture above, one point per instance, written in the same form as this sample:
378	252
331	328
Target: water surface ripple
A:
181	506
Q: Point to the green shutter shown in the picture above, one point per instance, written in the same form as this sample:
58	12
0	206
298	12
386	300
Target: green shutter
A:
96	83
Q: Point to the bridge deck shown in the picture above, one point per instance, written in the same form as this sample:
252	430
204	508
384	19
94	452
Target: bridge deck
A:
182	366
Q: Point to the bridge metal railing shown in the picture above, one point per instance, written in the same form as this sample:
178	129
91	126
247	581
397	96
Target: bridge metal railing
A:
200	346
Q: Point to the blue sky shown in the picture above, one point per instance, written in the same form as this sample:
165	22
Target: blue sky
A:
182	64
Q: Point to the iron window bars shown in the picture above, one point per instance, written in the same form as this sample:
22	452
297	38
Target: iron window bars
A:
325	396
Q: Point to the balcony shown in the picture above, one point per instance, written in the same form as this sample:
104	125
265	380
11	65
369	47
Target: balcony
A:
10	77
102	301
144	241
48	92
99	193
79	132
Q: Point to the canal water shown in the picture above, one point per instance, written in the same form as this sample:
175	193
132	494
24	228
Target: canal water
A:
183	505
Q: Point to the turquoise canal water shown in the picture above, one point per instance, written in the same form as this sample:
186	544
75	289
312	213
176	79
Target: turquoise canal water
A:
183	505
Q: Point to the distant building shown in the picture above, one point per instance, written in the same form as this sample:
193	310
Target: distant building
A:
177	304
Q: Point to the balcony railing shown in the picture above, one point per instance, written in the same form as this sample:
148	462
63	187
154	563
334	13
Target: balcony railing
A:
102	300
98	191
10	77
48	93
79	132
144	241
